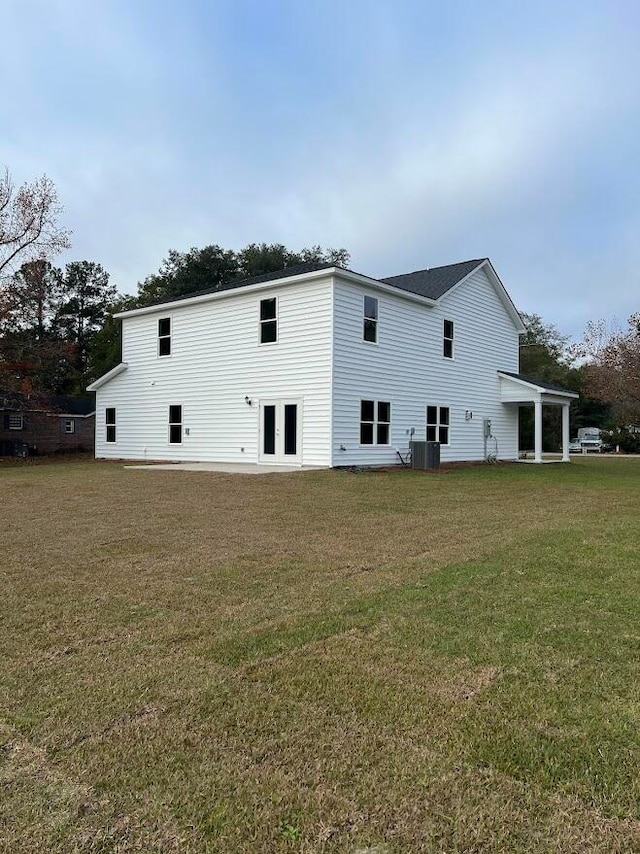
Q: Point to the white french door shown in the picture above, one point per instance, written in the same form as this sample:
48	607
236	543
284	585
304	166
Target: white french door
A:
280	439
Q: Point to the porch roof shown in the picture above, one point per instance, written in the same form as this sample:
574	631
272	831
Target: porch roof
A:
516	388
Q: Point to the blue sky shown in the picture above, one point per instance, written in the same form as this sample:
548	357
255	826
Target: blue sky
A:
412	133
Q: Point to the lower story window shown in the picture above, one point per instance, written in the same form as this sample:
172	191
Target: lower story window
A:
375	422
16	421
110	423
69	425
438	424
175	425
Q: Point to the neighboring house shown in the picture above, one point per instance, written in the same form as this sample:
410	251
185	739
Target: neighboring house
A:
42	424
319	365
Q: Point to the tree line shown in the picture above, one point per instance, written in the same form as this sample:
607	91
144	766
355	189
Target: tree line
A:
58	332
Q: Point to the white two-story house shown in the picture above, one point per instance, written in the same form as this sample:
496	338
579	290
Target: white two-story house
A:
318	365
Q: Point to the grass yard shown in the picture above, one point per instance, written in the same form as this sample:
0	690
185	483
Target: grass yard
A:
320	662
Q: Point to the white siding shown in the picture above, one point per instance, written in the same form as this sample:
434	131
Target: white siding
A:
512	391
216	360
408	369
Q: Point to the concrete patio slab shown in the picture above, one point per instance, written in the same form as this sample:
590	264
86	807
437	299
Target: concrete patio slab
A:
225	468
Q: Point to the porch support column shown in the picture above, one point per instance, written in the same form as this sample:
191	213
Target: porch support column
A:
565	433
538	431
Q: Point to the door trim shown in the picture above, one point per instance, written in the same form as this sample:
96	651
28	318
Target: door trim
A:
279	457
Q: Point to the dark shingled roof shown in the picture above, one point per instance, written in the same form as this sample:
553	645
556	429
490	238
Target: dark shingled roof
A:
434	282
294	270
431	283
541	383
72	405
64	404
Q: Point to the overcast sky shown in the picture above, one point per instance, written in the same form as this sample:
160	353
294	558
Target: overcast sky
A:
412	133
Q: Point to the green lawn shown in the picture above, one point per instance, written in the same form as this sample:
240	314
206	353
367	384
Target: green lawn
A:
320	662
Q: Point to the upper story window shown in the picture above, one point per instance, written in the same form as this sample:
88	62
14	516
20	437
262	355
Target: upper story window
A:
370	323
164	336
375	422
110	423
69	425
15	421
438	418
447	339
268	320
175	425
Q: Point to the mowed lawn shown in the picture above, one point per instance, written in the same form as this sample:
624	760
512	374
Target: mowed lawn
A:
321	661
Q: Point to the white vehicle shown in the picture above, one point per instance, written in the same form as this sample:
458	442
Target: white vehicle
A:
590	440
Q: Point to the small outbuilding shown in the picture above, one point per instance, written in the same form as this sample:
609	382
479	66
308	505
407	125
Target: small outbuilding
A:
45	424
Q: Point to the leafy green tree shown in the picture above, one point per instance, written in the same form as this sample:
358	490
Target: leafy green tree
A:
105	347
32	296
32	356
85	300
184	273
258	259
543	355
543	350
47	322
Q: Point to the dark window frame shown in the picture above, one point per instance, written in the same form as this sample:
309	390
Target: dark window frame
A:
448	346
370	319
440	426
268	322
110	424
176	423
375	426
164	338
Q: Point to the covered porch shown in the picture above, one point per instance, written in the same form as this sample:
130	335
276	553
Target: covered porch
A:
518	390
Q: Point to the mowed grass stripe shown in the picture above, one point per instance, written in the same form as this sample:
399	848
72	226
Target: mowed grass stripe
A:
477	697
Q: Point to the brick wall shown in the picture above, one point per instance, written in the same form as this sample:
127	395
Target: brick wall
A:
44	433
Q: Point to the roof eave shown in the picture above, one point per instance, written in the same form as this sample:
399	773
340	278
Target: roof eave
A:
229	292
105	378
327	272
530	384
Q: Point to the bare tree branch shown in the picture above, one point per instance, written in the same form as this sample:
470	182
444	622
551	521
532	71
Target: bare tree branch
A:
29	226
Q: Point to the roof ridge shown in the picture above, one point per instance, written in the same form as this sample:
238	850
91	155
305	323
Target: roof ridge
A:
432	269
432	282
232	284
